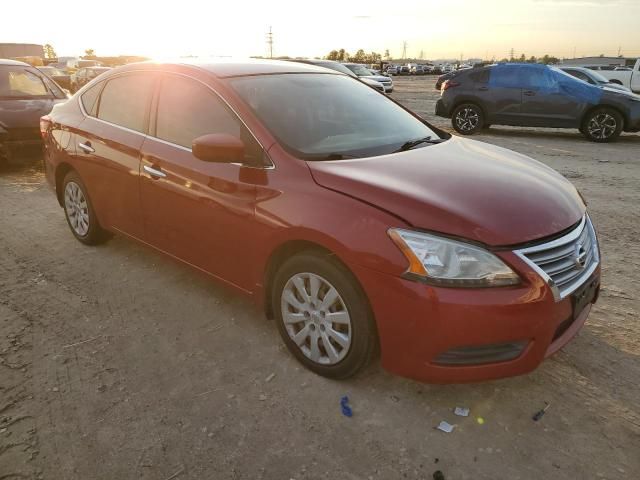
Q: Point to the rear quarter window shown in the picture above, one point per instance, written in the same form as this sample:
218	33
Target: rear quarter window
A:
89	99
481	76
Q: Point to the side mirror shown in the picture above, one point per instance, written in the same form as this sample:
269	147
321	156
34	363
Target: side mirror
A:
219	148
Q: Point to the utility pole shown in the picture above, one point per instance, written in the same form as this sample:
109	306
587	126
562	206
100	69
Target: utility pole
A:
574	52
619	51
404	50
270	42
421	54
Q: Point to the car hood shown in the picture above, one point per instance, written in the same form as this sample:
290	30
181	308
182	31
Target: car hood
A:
24	113
463	188
378	78
371	81
620	92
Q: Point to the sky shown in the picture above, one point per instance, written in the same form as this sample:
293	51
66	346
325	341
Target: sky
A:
437	29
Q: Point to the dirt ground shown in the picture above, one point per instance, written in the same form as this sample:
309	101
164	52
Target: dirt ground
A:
118	363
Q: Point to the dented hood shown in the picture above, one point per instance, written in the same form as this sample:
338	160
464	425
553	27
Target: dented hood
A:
463	188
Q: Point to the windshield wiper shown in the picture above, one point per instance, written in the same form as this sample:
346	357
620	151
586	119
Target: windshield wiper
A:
331	156
414	143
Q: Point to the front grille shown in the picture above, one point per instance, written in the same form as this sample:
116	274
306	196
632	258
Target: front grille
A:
567	262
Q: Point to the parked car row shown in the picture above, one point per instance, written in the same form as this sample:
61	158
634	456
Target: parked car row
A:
382	83
354	223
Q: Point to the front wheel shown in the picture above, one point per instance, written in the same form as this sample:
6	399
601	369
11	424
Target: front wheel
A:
467	119
602	125
323	316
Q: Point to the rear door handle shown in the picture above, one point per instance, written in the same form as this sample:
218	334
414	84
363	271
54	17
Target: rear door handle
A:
154	172
529	93
86	147
483	89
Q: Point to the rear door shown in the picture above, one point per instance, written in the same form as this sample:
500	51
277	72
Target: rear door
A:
501	94
108	147
200	212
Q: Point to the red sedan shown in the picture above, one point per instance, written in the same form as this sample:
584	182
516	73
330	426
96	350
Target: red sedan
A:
356	224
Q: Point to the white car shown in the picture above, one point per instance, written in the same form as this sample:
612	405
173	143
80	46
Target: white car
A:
626	76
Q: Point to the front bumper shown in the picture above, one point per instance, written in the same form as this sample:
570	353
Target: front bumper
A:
420	326
633	124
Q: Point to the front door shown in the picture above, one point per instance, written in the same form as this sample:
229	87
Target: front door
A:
199	212
552	99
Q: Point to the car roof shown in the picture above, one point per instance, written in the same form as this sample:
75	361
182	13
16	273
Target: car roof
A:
229	67
6	61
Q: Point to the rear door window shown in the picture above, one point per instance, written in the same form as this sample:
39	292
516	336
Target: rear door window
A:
125	100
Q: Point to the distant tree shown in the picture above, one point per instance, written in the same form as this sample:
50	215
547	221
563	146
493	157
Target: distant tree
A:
387	55
89	52
333	55
532	59
342	55
49	52
522	58
359	57
549	60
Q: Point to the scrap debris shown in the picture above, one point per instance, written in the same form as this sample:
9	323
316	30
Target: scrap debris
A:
539	414
344	406
446	427
461	411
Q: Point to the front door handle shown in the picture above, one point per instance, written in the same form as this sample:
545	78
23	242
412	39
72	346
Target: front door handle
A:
154	172
483	89
86	147
529	93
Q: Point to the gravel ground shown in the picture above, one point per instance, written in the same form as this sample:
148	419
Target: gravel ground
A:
116	362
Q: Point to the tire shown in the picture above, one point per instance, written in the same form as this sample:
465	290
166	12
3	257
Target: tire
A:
467	119
602	125
79	211
350	347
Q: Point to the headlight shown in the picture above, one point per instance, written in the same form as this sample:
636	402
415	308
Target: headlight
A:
450	263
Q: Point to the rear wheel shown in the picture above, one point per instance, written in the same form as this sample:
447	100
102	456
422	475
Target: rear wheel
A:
323	316
602	125
467	119
79	212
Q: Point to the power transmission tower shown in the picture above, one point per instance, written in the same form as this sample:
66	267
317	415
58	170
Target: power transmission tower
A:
404	50
421	54
619	51
270	42
511	54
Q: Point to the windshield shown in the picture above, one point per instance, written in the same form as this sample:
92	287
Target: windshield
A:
18	82
598	77
326	116
359	70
